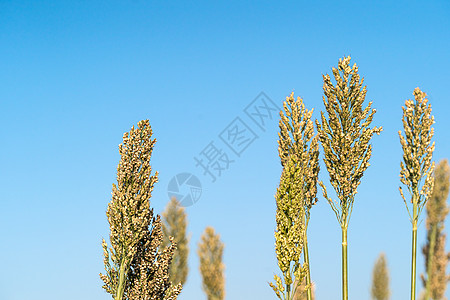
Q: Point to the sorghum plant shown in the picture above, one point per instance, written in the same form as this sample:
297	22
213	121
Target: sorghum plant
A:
210	251
380	279
296	139
138	271
416	167
289	231
174	224
345	138
436	259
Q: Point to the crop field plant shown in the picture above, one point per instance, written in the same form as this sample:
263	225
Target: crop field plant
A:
148	256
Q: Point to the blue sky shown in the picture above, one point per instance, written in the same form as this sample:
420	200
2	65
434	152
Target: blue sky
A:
76	75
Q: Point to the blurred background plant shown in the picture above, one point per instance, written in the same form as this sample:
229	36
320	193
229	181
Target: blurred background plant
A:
380	279
301	292
210	252
436	258
174	224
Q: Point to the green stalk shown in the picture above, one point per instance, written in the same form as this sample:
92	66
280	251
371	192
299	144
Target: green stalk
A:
288	292
430	259
344	265
121	287
413	264
414	251
308	274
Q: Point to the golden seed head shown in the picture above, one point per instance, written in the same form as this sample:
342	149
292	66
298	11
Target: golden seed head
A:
416	167
135	249
345	135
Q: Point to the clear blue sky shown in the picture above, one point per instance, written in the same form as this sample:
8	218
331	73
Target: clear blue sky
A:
76	75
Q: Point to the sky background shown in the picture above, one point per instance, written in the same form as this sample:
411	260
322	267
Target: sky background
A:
76	75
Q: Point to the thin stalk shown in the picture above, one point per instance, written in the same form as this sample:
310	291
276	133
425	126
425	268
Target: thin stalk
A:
288	292
308	274
121	287
414	251
344	265
430	259
413	264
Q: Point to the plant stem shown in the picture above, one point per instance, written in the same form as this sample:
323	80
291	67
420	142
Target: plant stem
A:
308	274
430	259
413	264
121	287
414	251
344	265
